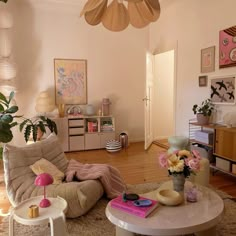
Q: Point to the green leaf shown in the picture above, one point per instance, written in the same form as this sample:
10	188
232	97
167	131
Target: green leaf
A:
42	126
12	109
6	118
22	124
5	132
1	108
11	96
3	98
27	133
34	130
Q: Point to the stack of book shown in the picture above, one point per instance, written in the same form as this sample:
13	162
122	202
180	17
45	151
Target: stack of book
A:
204	136
129	207
107	128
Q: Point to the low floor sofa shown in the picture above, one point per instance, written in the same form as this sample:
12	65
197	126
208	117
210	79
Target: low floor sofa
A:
19	177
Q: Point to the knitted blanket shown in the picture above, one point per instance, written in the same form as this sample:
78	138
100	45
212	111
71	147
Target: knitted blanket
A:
109	176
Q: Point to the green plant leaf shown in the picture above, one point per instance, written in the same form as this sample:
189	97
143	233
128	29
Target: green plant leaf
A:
27	132
11	96
42	126
12	109
3	98
22	124
6	118
5	132
1	108
34	131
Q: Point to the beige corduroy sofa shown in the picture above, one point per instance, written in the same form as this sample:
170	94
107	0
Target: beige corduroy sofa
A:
19	178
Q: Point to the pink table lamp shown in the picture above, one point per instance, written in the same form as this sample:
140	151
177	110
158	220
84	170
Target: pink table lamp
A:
44	180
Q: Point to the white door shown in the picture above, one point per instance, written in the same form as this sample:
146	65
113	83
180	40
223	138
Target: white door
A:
159	102
148	101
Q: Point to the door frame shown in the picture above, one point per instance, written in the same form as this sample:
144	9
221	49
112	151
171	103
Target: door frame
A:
168	47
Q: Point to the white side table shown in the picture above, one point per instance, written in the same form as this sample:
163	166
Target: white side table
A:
54	214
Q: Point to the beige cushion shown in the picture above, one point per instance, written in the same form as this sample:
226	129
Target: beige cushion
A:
44	166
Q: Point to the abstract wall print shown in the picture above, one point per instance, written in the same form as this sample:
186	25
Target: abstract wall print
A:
227	47
70	81
208	59
223	90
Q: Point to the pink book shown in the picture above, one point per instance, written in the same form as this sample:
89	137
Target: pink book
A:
129	207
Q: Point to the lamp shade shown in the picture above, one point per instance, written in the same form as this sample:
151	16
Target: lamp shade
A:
43	179
5	43
7	69
44	103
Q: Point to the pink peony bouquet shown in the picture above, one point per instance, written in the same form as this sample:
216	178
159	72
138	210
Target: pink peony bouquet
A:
181	162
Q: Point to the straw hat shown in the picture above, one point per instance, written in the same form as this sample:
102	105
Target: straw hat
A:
116	17
94	17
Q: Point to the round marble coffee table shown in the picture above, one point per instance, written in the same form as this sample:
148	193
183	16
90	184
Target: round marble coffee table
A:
199	217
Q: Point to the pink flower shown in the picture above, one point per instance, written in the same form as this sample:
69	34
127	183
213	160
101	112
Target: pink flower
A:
196	154
194	164
163	160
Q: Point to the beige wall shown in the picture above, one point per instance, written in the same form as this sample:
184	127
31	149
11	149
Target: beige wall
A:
50	29
194	24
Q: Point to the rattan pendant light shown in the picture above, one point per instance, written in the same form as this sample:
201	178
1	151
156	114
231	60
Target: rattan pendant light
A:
116	15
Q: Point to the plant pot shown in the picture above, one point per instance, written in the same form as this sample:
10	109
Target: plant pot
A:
202	120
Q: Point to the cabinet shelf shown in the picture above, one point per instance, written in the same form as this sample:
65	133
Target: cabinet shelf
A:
215	168
193	141
223	147
85	132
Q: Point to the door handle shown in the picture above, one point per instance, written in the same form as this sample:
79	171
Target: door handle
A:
146	99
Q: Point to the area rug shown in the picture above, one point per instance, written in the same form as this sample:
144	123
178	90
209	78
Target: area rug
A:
95	223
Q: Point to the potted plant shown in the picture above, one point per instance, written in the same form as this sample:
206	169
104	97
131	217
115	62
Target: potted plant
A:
36	127
203	111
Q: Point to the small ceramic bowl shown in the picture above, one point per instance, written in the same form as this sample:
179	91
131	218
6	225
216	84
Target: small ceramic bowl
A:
169	197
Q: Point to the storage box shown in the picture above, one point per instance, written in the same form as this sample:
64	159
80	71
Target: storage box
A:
204	136
234	169
223	164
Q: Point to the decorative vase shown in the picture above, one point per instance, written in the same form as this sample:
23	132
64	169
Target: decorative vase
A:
61	109
178	182
202	120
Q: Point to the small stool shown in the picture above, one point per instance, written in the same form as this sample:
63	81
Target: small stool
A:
178	143
53	214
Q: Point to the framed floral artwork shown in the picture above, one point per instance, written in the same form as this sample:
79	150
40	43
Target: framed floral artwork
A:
223	89
70	81
208	59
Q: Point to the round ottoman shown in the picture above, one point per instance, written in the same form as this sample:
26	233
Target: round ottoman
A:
113	146
178	143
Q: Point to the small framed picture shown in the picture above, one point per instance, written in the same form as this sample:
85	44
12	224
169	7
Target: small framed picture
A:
208	59
202	81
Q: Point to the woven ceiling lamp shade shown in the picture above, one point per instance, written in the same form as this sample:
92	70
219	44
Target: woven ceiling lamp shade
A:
117	15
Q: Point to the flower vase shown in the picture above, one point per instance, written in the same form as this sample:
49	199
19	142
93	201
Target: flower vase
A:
178	182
